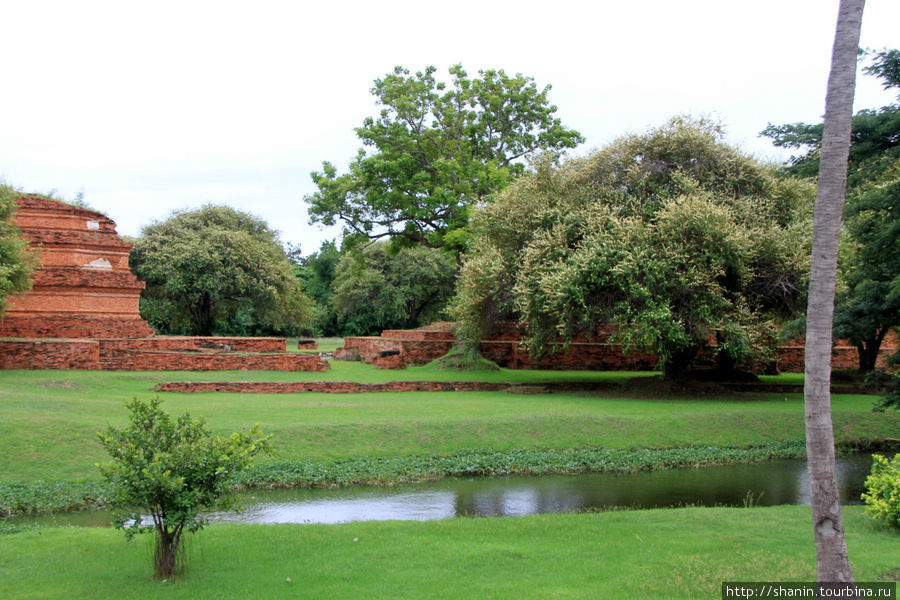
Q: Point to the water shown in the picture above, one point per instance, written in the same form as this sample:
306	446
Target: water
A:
763	484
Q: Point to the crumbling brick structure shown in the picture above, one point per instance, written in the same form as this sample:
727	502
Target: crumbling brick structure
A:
86	298
84	288
503	346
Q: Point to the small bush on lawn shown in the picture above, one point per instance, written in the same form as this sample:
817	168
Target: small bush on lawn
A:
172	469
882	495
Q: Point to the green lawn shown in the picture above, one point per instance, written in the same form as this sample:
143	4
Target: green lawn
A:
49	419
671	553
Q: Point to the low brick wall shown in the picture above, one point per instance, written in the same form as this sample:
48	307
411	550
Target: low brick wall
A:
193	344
75	326
502	346
155	354
328	387
49	354
179	361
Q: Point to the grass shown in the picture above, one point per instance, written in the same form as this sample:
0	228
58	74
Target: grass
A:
49	420
670	553
324	344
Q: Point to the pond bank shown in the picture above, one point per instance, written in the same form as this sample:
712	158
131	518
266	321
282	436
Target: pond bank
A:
42	496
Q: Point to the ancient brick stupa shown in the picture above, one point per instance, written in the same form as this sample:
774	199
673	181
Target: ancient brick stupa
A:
82	312
84	288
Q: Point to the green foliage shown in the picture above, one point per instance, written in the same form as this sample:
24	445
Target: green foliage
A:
672	236
171	469
435	150
317	272
868	300
882	495
377	289
887	384
16	262
218	270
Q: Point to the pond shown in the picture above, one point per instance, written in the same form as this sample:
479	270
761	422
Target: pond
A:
762	484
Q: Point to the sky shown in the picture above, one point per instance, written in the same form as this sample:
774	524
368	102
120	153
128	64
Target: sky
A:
150	107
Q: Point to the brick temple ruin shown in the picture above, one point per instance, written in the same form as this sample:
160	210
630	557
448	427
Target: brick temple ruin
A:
82	311
395	349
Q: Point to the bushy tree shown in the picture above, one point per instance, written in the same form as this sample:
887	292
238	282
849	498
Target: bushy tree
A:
673	236
16	262
217	270
434	150
868	299
376	288
317	273
171	470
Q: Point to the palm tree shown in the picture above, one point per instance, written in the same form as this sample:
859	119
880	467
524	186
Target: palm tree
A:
832	562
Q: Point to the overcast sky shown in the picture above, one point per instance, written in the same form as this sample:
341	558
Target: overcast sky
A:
157	106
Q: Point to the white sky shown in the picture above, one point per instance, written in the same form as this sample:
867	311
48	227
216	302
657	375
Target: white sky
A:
156	106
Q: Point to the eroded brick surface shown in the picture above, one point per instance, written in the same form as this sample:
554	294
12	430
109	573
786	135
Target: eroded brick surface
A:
85	293
503	346
84	287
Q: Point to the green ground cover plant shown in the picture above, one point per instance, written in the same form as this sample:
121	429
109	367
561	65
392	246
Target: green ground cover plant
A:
669	553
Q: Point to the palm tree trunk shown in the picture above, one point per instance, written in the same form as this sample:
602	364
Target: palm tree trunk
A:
832	562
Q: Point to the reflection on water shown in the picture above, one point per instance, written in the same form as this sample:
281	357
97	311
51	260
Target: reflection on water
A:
765	484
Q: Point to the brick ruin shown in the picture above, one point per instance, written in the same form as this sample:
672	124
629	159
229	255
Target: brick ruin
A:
399	348
83	288
82	312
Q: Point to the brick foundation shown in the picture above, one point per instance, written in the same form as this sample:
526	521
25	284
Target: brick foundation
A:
330	387
85	293
503	346
156	354
49	354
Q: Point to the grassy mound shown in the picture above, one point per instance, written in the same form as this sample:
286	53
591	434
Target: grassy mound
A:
464	360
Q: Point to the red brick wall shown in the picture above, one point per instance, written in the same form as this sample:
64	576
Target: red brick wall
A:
72	327
420	346
172	343
333	387
178	361
49	354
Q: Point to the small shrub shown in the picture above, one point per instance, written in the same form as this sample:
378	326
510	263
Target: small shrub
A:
171	469
882	495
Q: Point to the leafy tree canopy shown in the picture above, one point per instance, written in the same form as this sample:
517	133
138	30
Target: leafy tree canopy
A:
672	235
216	269
868	300
377	289
317	274
16	262
434	150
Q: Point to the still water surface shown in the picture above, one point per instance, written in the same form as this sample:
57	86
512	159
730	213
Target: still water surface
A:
764	484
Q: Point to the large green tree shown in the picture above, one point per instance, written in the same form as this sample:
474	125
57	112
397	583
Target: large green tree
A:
377	288
15	260
435	150
868	297
672	235
217	270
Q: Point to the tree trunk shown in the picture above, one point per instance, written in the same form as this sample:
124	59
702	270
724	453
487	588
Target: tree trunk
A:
165	554
832	562
868	351
676	367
